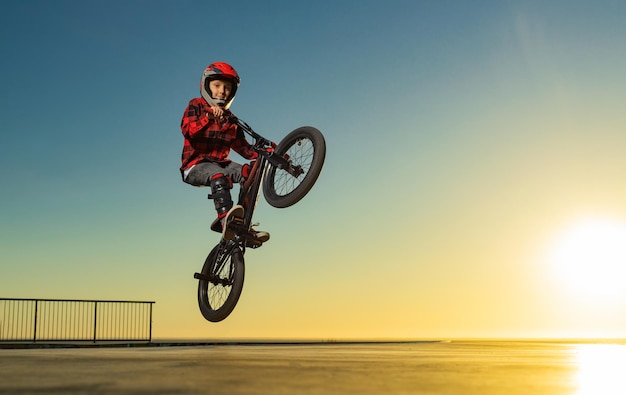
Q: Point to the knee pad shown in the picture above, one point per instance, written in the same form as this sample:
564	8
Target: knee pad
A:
220	193
221	181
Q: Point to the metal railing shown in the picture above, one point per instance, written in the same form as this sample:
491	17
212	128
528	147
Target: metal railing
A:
55	320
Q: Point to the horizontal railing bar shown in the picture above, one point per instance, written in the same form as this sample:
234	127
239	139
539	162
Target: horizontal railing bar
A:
78	300
72	340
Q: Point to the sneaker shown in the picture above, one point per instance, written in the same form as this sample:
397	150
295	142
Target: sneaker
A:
260	236
257	239
232	215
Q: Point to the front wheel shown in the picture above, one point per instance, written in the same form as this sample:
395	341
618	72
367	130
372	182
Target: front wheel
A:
221	281
306	149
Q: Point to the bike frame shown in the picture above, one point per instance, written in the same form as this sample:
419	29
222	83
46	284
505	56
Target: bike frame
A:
250	189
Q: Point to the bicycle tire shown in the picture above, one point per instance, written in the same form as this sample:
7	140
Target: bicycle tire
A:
306	147
218	297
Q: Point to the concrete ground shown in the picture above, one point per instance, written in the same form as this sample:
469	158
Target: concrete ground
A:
407	368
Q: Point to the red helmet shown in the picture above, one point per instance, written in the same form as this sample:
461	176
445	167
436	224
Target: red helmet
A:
219	71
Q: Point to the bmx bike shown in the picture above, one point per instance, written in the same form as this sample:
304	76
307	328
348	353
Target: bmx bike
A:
286	173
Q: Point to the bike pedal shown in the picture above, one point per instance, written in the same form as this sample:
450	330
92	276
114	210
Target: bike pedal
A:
253	244
202	276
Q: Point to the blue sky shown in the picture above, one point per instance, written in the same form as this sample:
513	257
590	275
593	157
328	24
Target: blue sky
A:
463	137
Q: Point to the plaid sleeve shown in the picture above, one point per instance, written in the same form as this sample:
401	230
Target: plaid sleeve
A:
193	120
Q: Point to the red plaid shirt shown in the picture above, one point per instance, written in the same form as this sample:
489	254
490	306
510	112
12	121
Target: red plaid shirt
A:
207	140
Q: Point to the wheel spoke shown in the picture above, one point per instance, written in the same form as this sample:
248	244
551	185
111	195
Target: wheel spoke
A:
301	154
219	291
306	150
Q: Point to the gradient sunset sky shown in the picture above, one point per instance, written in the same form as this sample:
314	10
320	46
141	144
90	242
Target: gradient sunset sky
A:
474	183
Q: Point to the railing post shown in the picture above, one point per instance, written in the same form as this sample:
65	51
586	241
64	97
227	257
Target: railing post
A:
150	335
95	320
35	323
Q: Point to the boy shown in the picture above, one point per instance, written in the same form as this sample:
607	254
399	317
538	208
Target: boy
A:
209	136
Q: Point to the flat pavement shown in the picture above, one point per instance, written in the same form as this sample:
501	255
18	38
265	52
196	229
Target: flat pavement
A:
404	368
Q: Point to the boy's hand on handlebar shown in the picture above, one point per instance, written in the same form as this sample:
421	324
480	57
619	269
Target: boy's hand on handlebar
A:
218	112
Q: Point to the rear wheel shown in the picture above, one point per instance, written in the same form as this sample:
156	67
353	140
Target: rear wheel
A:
306	150
221	281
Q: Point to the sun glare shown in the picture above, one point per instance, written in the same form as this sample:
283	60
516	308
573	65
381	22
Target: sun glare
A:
600	369
590	258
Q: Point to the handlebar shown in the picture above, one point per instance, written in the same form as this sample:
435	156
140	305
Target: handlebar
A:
259	140
262	144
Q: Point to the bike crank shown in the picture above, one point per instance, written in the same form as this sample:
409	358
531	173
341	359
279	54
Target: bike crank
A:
212	279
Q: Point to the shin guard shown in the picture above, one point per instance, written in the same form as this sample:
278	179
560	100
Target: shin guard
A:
220	193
